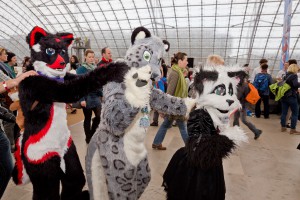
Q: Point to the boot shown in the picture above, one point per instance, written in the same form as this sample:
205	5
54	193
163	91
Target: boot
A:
158	147
294	132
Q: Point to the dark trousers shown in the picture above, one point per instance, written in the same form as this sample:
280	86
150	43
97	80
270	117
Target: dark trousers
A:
265	99
6	165
155	117
88	129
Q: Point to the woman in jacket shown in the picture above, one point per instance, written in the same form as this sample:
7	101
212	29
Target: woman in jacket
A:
290	99
91	102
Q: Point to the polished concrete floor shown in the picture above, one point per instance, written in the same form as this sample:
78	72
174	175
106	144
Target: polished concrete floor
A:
268	168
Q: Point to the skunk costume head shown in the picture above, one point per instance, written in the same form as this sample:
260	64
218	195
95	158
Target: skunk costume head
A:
216	92
49	53
146	50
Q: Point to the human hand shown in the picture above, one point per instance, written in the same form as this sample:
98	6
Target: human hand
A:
83	104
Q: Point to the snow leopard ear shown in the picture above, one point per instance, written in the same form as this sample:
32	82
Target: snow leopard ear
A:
140	33
166	45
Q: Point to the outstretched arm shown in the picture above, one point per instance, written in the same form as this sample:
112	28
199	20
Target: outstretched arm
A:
167	104
43	89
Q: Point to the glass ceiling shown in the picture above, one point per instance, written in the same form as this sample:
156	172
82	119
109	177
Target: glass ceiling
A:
241	31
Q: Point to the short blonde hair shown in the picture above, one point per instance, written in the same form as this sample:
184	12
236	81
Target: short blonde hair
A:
293	68
2	50
215	60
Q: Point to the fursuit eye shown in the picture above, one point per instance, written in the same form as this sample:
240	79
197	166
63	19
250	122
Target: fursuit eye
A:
147	56
50	51
63	52
220	90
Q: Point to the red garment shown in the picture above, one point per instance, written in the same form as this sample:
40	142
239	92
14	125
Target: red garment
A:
103	62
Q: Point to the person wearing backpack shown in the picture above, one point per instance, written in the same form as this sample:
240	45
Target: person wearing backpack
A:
242	91
290	100
261	82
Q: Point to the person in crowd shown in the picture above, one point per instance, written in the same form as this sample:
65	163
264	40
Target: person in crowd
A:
215	60
74	62
96	61
258	69
106	57
176	87
290	100
263	89
292	61
11	129
6	164
159	85
90	103
11	63
281	74
25	64
242	92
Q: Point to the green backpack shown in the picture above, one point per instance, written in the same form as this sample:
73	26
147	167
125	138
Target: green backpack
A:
279	89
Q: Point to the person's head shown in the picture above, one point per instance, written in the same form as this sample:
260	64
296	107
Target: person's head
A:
286	66
89	56
74	59
292	61
26	61
106	53
293	68
263	61
3	55
11	58
180	59
264	67
96	60
215	60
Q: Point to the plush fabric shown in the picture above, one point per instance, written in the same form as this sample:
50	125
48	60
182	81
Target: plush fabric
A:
46	154
116	163
195	171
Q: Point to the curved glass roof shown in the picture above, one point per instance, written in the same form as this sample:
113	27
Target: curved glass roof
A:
241	31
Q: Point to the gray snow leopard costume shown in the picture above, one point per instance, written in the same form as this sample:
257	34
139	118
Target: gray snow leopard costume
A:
116	162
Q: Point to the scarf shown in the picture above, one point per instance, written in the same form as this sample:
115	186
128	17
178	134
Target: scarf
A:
181	87
106	61
89	67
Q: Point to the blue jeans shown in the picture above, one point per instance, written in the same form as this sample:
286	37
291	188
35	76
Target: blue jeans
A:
6	165
161	133
291	102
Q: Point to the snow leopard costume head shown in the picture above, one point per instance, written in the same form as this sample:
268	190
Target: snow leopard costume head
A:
146	50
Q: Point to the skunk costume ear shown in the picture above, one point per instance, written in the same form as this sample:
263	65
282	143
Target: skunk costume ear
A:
140	33
36	34
67	37
166	45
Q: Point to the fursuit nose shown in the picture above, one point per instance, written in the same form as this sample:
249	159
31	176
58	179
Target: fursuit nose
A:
229	101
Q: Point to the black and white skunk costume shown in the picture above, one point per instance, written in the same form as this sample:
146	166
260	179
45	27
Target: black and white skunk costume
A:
195	172
46	154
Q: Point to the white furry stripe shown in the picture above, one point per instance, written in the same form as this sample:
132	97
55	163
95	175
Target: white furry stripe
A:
134	146
236	134
56	139
100	191
37	47
25	177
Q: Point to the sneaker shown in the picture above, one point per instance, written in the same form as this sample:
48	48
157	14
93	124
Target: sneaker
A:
154	124
257	134
288	125
158	147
